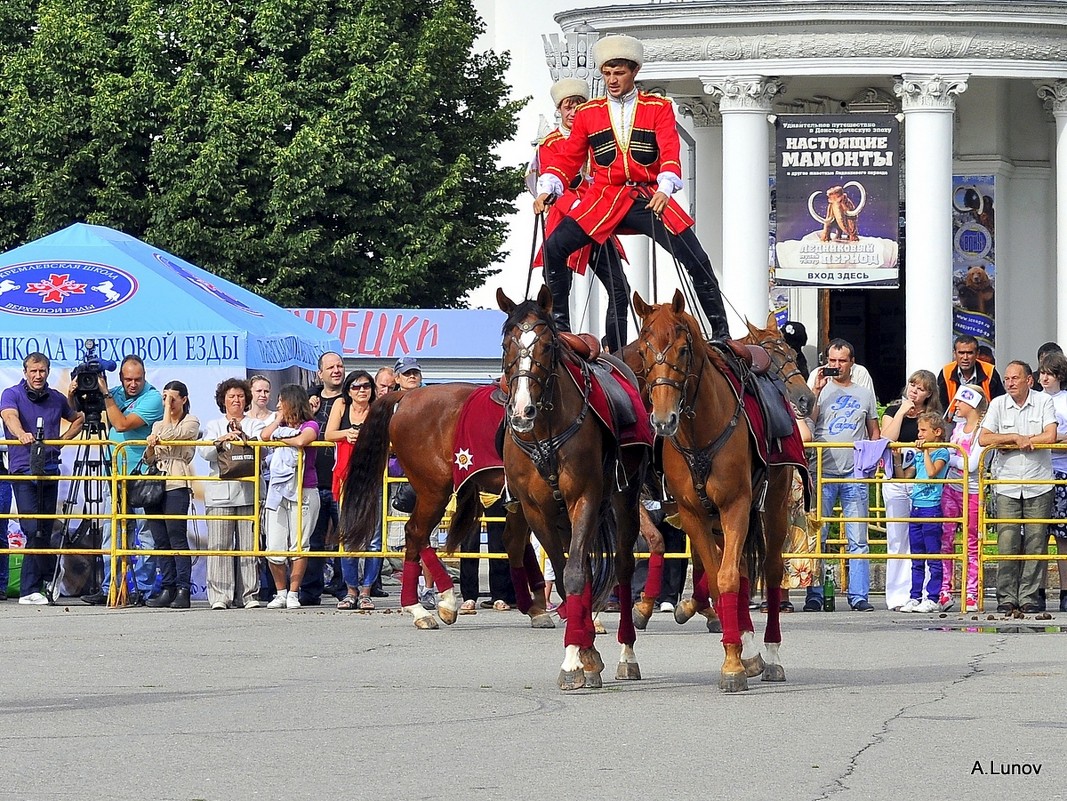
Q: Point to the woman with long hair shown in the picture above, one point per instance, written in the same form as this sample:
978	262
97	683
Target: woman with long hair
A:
227	499
900	424
289	490
346	419
175	461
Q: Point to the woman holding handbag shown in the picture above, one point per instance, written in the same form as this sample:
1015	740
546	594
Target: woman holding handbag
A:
230	580
173	461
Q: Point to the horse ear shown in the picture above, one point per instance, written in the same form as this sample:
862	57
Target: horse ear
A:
544	299
772	321
642	308
505	303
678	302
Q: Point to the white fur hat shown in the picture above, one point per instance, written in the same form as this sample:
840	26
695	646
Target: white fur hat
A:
618	46
569	87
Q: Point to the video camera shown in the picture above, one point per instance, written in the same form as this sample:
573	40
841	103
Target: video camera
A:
87	395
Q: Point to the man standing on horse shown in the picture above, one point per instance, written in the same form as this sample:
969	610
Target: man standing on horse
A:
633	139
605	259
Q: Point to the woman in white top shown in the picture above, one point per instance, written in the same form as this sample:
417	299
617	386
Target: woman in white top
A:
175	461
226	575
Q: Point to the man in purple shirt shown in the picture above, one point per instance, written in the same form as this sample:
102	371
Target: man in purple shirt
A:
28	409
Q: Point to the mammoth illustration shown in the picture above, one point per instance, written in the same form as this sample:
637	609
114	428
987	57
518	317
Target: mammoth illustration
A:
979	206
840	211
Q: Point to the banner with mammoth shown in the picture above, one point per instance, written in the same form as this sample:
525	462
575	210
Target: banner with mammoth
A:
974	258
838	200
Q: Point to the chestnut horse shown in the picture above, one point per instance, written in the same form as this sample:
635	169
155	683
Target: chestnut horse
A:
782	367
713	471
578	488
418	426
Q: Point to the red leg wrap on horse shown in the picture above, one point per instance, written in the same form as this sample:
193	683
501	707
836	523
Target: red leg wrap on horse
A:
587	613
579	623
774	615
627	632
533	569
744	614
522	595
701	593
727	608
409	584
440	576
654	582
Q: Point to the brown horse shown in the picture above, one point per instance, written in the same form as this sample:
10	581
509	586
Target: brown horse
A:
578	488
714	472
419	426
783	368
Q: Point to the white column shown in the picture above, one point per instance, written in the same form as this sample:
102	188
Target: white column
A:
745	102
1054	94
928	102
638	268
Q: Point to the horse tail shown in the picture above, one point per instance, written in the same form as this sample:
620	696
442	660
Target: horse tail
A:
602	556
755	548
361	493
465	519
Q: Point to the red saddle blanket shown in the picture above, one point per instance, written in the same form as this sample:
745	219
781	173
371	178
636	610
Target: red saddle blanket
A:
777	450
474	444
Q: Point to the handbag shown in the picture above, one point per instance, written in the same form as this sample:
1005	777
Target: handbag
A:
237	460
141	493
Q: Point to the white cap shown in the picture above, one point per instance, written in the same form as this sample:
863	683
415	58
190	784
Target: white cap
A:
569	87
618	46
968	395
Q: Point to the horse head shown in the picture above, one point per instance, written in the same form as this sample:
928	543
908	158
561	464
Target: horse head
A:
672	357
531	351
783	363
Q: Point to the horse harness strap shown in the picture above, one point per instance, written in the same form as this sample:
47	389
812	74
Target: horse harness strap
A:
699	460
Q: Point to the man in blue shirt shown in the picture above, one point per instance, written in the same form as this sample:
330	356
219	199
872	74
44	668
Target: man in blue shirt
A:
30	408
131	408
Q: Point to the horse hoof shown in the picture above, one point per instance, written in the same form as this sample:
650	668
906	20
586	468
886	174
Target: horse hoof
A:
448	616
628	671
571	680
593	681
640	618
754	666
427	623
591	660
684	611
542	621
714	624
773	673
733	682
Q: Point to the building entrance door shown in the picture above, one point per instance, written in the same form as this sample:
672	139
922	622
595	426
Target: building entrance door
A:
873	321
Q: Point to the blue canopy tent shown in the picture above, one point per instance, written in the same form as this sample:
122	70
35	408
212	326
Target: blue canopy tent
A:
91	282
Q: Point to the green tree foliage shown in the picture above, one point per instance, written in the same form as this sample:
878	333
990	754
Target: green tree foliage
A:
320	152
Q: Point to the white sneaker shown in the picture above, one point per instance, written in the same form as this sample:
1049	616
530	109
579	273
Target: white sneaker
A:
909	605
927	606
666	606
278	601
34	599
253	604
292	600
946	602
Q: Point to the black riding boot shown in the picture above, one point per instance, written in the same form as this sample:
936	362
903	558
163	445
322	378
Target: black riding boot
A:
181	599
165	598
710	299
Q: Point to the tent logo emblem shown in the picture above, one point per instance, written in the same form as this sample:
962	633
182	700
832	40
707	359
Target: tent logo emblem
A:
202	281
63	288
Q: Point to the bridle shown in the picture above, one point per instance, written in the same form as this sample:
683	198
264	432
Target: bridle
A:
782	356
546	384
685	406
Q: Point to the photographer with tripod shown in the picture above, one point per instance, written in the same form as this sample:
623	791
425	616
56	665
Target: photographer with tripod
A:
32	411
131	408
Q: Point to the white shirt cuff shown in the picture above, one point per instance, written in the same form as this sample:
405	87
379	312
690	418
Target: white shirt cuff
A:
668	183
550	185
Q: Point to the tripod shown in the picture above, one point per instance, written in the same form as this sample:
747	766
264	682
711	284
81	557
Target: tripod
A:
85	497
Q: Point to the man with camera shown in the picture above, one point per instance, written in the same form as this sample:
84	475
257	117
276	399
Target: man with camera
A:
131	408
844	412
32	411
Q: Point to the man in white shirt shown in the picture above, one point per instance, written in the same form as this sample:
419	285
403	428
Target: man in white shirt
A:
1015	423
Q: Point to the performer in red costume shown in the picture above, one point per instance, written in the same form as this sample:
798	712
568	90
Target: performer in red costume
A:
633	139
605	259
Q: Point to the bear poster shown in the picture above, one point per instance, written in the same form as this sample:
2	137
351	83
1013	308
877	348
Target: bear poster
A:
974	258
837	200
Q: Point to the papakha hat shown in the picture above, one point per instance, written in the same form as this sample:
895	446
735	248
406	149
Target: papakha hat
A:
569	87
618	46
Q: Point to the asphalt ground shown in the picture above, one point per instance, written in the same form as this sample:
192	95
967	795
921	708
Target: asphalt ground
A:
321	704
